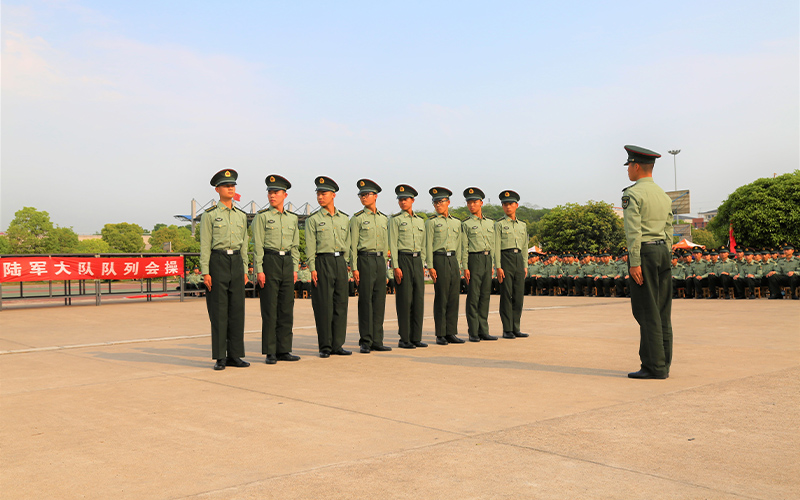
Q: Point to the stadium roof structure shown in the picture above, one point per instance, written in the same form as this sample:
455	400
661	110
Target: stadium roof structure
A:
251	208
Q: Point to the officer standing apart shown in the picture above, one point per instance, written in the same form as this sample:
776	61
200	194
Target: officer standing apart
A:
223	261
276	243
369	248
407	246
648	230
443	251
477	252
328	251
511	247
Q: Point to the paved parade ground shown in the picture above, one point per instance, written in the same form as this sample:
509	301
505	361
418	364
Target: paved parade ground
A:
120	401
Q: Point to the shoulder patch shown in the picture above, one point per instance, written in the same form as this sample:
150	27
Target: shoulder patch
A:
358	213
628	187
395	215
263	210
239	209
626	200
315	211
211	208
344	213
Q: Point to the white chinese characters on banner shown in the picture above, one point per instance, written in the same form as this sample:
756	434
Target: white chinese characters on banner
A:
19	268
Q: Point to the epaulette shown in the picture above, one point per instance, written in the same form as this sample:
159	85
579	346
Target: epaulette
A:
211	208
315	211
264	210
239	209
359	213
383	214
344	213
628	187
398	213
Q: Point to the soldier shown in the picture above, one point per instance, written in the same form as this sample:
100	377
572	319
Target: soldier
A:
328	251
477	253
621	278
587	274
648	230
251	280
767	266
407	246
511	244
678	276
443	249
551	271
749	274
303	283
535	270
390	283
787	274
569	271
606	271
726	269
687	264
223	259
713	276
369	247
276	244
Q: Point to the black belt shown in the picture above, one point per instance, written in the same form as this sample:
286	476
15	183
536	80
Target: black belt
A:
282	253
485	252
446	254
226	252
330	254
410	254
371	254
656	242
512	250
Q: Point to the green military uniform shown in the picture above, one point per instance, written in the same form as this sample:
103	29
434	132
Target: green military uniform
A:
511	247
550	273
569	271
443	251
407	246
390	283
369	248
609	270
648	231
535	272
725	270
620	280
276	243
748	275
477	253
223	256
678	272
586	276
698	272
303	283
768	265
328	251
786	265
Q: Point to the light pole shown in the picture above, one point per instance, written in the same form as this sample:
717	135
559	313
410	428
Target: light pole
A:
674	153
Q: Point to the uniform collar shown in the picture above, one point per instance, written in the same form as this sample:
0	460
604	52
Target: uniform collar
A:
275	210
645	179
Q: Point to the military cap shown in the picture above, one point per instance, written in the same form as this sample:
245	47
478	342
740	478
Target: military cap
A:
367	186
473	193
697	250
764	252
723	249
748	252
713	252
605	254
640	155
623	253
509	196
788	247
275	181
440	193
326	184
706	252
227	176
405	191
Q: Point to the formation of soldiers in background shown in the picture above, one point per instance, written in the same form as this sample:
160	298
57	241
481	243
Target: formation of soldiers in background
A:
696	273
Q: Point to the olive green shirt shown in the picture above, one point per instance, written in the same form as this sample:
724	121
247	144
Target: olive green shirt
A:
477	235
551	270
588	270
509	233
369	232
443	234
572	269
753	268
222	228
327	233
276	231
304	275
622	268
406	234
678	271
608	270
648	216
194	279
729	266
536	269
785	266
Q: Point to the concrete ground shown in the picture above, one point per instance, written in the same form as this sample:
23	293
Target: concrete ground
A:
120	401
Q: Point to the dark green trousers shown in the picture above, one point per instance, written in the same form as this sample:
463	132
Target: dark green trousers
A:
225	303
446	290
277	304
371	299
512	290
652	307
478	291
410	298
329	300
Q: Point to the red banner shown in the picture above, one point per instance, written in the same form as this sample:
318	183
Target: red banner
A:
88	268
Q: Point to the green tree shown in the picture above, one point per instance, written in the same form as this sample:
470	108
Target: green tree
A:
124	237
764	213
705	238
181	239
157	227
94	245
28	232
63	240
591	227
5	246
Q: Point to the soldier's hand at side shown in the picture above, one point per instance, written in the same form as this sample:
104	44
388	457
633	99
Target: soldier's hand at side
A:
466	276
500	274
432	272
295	276
355	276
314	277
750	276
245	279
398	275
207	281
791	273
636	274
263	278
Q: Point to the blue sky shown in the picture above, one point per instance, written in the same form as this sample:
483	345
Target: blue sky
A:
122	111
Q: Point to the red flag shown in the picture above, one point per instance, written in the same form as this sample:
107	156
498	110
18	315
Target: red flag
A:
237	197
732	241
